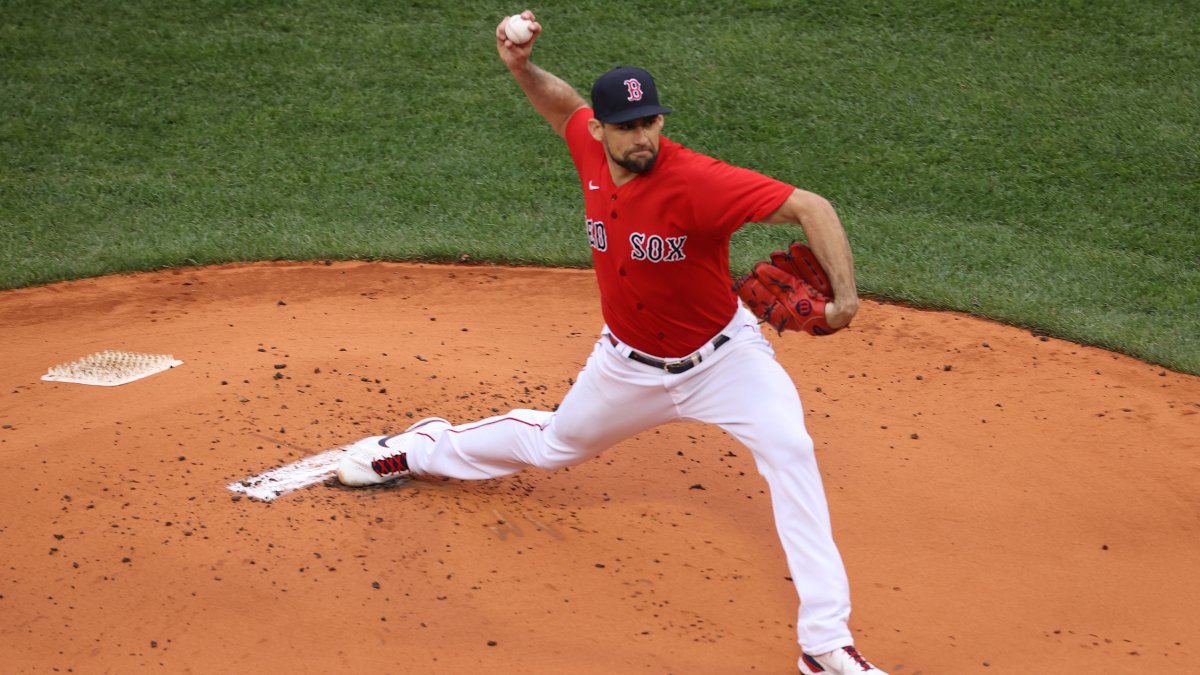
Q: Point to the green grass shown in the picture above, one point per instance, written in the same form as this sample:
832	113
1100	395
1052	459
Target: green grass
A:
1033	162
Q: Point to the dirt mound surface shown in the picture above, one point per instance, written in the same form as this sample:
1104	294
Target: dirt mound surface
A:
1004	503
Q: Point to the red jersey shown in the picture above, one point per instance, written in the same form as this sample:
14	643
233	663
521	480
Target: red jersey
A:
660	242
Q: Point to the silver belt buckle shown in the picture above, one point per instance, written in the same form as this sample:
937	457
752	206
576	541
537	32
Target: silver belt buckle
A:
694	360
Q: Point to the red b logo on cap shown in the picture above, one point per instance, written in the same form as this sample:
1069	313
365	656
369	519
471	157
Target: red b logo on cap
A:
634	88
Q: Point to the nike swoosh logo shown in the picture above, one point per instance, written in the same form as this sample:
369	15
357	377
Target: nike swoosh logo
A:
593	186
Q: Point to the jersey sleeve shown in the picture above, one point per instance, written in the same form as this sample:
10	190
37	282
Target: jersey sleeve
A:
579	139
729	196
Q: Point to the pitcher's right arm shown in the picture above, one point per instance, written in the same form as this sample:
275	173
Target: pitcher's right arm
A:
552	98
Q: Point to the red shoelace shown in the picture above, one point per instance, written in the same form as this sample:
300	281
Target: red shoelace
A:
858	658
393	464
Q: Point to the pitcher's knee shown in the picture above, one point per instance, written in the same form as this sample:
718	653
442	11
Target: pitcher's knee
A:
555	458
559	451
567	447
787	451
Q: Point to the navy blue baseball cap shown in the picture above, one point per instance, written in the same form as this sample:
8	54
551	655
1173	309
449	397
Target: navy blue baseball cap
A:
625	93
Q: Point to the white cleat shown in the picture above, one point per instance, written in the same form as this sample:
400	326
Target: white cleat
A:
844	661
381	459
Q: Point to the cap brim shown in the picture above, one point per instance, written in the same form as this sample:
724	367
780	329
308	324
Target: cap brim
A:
634	114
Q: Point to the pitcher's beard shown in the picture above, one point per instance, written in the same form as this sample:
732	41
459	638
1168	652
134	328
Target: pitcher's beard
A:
637	165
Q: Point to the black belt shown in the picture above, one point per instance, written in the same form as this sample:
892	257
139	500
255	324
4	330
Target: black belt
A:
673	367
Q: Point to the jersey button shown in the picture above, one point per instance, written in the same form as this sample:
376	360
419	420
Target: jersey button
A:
640	306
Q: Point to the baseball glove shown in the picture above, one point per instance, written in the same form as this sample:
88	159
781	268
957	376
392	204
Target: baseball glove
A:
789	292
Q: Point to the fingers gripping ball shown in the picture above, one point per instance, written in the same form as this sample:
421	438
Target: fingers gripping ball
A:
518	29
786	302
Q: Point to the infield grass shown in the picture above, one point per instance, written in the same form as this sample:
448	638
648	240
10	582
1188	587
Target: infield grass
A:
1033	162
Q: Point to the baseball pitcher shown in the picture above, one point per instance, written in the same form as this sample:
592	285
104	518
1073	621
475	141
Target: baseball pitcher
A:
680	342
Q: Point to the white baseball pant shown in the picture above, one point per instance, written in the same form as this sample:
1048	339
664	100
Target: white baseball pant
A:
739	387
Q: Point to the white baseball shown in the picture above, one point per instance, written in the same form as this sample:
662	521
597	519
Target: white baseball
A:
517	29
